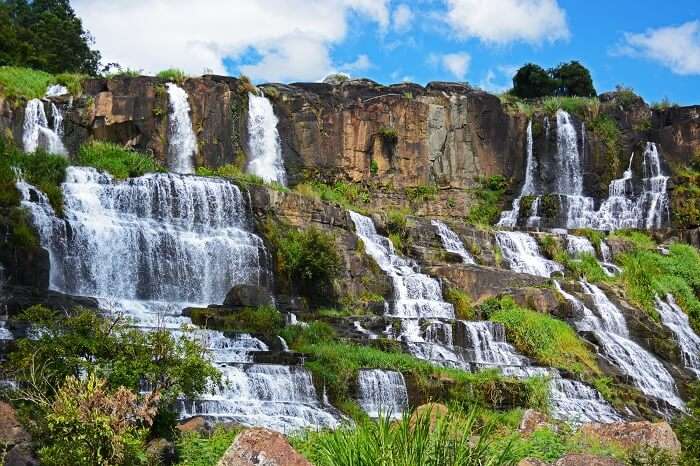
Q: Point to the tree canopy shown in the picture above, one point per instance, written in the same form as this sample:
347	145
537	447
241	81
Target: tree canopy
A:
45	35
567	79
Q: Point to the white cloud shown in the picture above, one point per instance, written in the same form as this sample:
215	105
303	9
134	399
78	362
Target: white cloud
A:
402	19
456	64
498	80
500	22
362	63
292	37
675	47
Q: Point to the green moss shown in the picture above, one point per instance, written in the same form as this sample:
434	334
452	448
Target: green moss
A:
549	341
462	303
489	201
549	205
389	135
264	320
116	160
22	234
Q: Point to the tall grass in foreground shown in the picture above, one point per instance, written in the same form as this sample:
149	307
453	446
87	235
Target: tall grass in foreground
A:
423	439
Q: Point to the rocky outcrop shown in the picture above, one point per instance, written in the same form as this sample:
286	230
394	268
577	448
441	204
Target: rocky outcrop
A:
14	439
587	460
261	447
631	435
531	421
248	296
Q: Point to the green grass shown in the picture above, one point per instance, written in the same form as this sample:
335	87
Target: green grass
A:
637	239
351	196
547	340
608	132
26	83
489	201
264	320
426	439
421	193
462	303
172	74
116	160
583	107
647	273
585	266
195	449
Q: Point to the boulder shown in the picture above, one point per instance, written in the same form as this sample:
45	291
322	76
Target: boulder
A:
635	434
21	455
261	447
193	424
532	462
434	410
14	438
161	451
587	460
248	296
531	421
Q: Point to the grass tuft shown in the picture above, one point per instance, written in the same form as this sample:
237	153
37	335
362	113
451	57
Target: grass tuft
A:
116	160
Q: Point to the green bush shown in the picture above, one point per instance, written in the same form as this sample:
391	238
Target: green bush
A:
195	449
172	74
422	193
531	81
688	429
26	83
264	320
549	341
300	336
426	439
608	132
308	259
462	303
389	135
350	196
116	160
489	201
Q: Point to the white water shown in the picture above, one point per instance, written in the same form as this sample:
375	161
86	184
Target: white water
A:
182	142
522	253
610	328
36	131
509	218
674	318
149	247
382	392
569	175
451	242
264	141
56	90
486	341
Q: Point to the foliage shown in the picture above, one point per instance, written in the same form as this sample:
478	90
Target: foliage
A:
637	239
549	341
422	193
172	74
45	35
664	104
336	78
531	81
647	274
120	72
462	303
586	266
307	258
489	201
116	160
264	320
246	86
688	429
389	135
625	96
583	107
24	83
234	173
424	439
573	79
608	132
85	342
195	449
299	336
685	197
397	227
373	167
87	423
350	196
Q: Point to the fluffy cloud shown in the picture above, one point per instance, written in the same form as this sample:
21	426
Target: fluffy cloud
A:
677	48
498	80
457	64
503	21
291	37
402	18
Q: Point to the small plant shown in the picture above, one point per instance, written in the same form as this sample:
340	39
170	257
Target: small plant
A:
373	167
408	95
664	104
489	201
462	303
389	135
197	449
264	320
422	193
173	74
625	96
246	86
271	92
120	162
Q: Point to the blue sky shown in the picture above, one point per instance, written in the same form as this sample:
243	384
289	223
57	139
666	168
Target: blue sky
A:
651	46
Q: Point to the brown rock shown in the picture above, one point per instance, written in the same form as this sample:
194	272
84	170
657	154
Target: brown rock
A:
193	424
531	421
11	431
162	451
587	460
261	447
21	455
636	434
434	410
532	462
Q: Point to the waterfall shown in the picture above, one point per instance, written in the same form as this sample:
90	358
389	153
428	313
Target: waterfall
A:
521	252
509	218
36	132
487	343
570	174
654	197
264	141
451	242
578	245
675	319
150	246
579	403
382	392
610	328
182	147
56	90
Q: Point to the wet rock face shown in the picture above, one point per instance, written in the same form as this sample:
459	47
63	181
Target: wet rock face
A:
261	447
677	130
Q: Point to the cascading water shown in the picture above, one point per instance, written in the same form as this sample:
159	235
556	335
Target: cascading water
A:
521	252
182	142
509	218
674	318
569	175
451	242
486	341
578	246
382	392
149	247
610	329
654	197
36	131
264	141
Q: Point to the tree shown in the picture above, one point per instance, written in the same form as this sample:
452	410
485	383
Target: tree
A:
573	79
46	35
532	81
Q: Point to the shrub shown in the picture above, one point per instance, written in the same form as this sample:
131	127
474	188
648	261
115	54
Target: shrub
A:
264	320
549	341
389	135
586	266
373	167
72	81
462	303
688	429
350	196
24	83
246	86
299	336
625	95
422	439
573	79
489	201
173	74
308	259
87	423
664	104
116	160
422	193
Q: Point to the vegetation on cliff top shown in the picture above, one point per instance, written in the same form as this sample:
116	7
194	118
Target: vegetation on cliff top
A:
567	79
